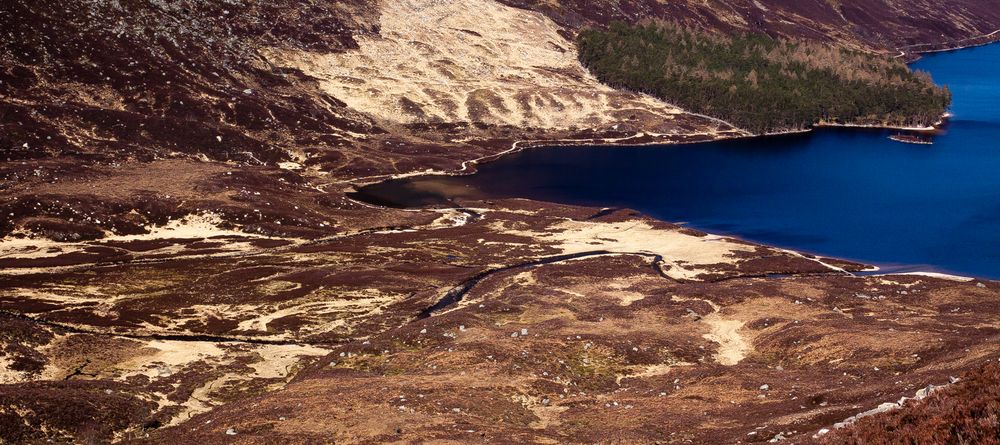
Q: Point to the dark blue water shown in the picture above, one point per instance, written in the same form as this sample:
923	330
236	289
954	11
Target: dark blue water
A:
846	193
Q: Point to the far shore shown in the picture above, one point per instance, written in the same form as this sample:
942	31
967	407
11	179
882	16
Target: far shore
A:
981	40
930	128
468	167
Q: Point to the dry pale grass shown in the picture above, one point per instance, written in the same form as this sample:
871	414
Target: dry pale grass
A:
434	62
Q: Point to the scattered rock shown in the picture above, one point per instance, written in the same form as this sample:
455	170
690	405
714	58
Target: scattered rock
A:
921	394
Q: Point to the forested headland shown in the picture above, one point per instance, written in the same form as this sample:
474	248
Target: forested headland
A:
760	83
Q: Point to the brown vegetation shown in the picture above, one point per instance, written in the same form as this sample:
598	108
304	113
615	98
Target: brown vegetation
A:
177	244
966	412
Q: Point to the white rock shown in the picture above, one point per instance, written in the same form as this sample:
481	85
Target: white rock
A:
926	392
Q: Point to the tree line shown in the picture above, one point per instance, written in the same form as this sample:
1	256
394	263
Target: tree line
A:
760	83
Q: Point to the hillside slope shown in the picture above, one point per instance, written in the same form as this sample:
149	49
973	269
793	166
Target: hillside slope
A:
180	263
884	25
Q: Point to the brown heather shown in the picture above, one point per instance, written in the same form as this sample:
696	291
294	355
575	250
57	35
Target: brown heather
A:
967	412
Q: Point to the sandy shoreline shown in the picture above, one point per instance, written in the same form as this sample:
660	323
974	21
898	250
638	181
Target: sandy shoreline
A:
927	129
992	37
468	167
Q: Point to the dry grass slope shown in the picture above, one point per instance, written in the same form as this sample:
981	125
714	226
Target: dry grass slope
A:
432	62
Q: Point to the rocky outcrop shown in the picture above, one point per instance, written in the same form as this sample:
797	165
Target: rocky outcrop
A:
963	411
